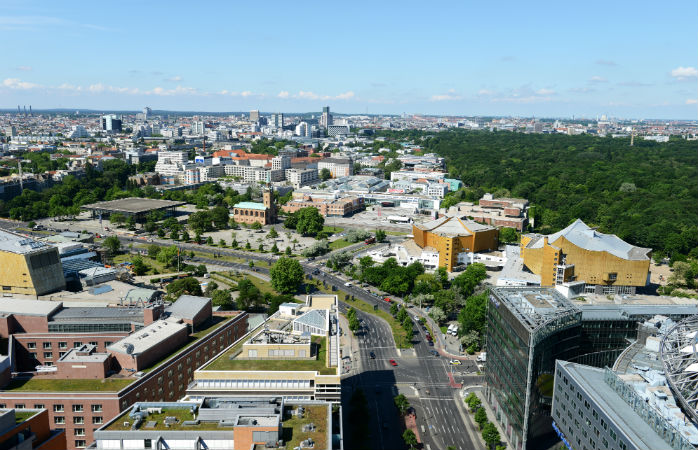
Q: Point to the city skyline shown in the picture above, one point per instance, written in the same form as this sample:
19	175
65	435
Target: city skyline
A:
466	60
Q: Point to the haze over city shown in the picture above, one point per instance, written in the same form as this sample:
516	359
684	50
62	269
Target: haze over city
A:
543	59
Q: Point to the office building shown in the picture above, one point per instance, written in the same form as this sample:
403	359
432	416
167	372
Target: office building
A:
529	328
277	120
338	167
454	238
198	128
111	123
254	115
28	267
606	263
300	177
338	130
326	117
303	130
327	207
27	429
147	112
281	162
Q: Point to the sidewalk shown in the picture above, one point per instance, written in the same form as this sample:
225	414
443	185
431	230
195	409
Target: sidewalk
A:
349	346
493	418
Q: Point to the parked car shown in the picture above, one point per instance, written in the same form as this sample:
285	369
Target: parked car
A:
393	363
434	352
454	362
372	355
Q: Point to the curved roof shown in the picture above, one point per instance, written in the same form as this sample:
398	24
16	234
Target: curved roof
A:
680	358
583	236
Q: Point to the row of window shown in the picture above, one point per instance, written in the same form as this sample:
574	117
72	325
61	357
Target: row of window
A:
78	420
64	345
56	408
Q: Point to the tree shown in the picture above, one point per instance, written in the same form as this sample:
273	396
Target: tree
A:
380	235
310	222
112	244
393	309
209	240
508	235
182	286
407	325
174	235
219	215
210	288
168	256
274	249
222	299
473	401
139	267
234	244
261	247
365	262
286	275
249	295
272	233
402	315
410	438
256	226
325	174
161	233
437	314
401	403
153	250
221	243
200	270
185	236
200	221
491	435
481	417
288	251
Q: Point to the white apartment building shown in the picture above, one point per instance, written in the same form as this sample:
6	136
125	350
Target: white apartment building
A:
299	178
339	167
171	163
437	190
282	162
209	173
304	130
197	128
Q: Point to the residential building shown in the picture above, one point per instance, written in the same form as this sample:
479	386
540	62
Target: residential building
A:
303	130
253	212
338	130
327	207
606	263
254	115
111	123
28	267
281	162
277	120
437	189
338	167
192	176
454	239
198	128
171	162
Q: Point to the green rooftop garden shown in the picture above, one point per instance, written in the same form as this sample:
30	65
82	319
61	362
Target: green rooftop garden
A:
291	429
21	416
76	385
224	362
182	414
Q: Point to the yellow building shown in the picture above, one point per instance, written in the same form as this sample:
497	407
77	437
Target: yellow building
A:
451	237
606	263
28	267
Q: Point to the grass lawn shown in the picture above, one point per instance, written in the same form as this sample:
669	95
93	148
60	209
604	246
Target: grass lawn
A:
181	414
402	340
292	428
76	385
396	233
328	229
263	286
339	243
21	416
150	262
225	363
443	328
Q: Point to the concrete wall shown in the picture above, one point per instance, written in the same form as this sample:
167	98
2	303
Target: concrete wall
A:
17	276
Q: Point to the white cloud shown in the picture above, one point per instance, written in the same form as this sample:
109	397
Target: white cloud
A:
345	96
16	83
683	73
307	95
692	101
445	97
175	79
545	92
246	93
24	68
485	92
96	88
605	62
597	79
283	94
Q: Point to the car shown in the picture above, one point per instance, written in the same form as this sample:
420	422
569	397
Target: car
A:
434	352
431	343
347	284
387	299
393	363
372	355
454	362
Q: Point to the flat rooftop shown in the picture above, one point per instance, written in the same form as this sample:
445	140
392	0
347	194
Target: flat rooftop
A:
533	306
148	337
16	243
133	205
591	380
84	353
29	307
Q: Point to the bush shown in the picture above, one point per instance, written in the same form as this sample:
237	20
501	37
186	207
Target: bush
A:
155	280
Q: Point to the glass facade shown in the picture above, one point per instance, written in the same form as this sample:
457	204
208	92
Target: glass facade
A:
60	327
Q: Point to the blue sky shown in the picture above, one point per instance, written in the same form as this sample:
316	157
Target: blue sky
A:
627	59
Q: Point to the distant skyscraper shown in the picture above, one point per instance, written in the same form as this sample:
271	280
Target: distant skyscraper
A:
277	120
111	122
254	115
326	118
147	112
197	128
303	130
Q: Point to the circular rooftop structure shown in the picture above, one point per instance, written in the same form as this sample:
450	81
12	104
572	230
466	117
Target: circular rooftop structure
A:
680	358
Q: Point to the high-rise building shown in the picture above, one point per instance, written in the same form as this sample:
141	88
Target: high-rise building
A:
198	128
303	130
254	115
326	117
147	112
111	122
277	120
282	162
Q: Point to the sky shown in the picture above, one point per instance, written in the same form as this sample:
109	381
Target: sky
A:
629	59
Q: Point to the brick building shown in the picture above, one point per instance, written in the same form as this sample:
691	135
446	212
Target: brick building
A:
333	207
253	212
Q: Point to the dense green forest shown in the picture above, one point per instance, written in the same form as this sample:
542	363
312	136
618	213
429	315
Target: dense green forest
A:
646	194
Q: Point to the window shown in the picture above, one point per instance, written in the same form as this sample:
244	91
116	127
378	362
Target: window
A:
3	406
77	344
31	345
61	354
7	288
58	408
79	432
612	276
107	344
613	434
47	345
79	443
32	355
78	420
39	406
58	420
96	408
96	420
62	345
78	408
48	355
19	406
147	443
95	343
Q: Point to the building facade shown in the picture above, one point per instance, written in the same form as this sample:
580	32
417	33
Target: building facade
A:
28	266
252	212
